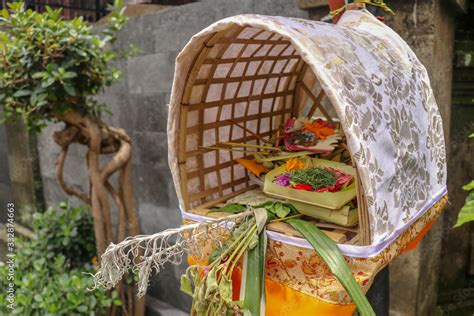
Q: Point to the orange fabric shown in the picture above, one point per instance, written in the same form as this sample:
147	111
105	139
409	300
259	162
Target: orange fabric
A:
252	165
236	282
414	243
282	300
319	129
285	301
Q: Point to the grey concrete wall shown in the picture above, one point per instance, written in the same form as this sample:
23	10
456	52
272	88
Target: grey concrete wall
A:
139	104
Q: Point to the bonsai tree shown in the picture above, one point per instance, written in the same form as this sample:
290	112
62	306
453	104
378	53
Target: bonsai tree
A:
50	71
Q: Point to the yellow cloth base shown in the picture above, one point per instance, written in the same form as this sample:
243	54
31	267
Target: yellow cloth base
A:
284	301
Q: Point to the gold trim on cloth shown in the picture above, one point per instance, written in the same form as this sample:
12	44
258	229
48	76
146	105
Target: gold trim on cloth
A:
303	270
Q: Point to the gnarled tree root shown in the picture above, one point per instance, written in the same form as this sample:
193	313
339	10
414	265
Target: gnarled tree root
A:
103	139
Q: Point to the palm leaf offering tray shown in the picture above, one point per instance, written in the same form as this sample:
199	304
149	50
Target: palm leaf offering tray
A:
319	182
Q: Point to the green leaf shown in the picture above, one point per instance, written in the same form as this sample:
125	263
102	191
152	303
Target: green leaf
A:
233	208
282	210
466	214
21	93
211	282
261	218
38	75
186	285
469	186
5	13
330	253
69	75
225	289
279	209
81	53
70	90
254	277
48	82
33	98
82	308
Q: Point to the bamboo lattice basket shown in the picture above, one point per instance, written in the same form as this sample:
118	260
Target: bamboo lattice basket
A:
242	78
244	84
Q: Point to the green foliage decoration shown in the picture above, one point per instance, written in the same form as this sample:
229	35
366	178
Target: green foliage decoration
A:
466	214
52	271
49	65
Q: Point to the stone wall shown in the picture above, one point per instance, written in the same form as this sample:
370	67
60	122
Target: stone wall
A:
139	105
457	259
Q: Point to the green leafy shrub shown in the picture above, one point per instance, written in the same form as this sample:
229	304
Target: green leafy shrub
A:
52	271
68	231
49	65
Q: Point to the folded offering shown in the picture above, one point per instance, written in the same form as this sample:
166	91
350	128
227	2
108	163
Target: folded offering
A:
318	187
315	135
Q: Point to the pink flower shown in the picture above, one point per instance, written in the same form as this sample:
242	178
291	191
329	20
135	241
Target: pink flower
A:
205	270
283	180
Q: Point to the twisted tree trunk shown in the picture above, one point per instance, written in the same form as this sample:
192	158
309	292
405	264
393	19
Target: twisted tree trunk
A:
101	138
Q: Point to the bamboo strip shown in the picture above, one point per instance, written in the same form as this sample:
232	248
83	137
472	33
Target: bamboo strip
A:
257	41
210	191
257	136
212	125
248	59
239	140
205	105
232	149
250	145
317	101
220	200
220	166
271	75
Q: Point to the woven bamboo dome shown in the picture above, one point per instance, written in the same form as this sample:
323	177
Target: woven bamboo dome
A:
241	78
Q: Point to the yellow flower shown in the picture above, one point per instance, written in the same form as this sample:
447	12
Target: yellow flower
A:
294	164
